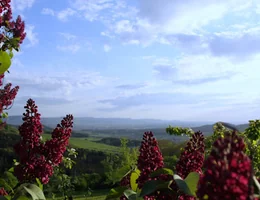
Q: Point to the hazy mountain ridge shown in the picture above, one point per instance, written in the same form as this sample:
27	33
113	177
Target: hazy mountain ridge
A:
121	124
117	128
110	123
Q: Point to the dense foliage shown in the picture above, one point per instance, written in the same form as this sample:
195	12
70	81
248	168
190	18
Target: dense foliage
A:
226	173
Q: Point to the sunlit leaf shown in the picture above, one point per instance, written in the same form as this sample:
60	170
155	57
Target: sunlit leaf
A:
5	62
134	176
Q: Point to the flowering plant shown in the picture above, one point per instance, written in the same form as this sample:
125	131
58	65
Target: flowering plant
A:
12	35
12	31
37	158
7	95
226	173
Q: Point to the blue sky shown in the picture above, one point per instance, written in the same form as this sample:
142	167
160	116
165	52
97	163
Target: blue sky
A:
161	59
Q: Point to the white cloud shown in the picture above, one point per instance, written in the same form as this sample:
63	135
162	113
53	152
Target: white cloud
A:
73	43
208	75
31	36
160	60
21	4
48	11
91	8
246	42
186	17
64	14
107	47
107	34
68	36
159	20
195	67
54	83
123	26
156	21
73	48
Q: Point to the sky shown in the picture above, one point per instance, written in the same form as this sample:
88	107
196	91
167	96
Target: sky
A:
154	59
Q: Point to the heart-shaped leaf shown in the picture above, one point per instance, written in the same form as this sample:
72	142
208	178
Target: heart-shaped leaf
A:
134	176
5	62
192	182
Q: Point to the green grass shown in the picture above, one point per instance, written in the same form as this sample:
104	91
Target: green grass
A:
96	195
91	145
101	197
88	143
94	139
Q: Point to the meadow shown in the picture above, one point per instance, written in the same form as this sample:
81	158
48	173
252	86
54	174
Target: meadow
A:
89	143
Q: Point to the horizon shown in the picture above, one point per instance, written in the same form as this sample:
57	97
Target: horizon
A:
165	60
170	120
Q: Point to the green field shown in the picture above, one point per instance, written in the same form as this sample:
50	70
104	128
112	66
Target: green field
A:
91	145
88	143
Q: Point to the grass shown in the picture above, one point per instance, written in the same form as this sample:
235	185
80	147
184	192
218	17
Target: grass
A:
91	145
80	197
96	195
101	197
88	143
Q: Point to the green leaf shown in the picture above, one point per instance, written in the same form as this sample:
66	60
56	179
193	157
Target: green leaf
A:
4	184
154	185
23	198
4	197
5	62
183	186
115	193
5	115
192	182
33	190
39	183
11	170
14	42
11	54
130	194
160	171
134	176
257	184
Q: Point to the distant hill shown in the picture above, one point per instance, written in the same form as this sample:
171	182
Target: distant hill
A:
10	129
111	123
209	128
122	127
45	128
242	127
134	134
